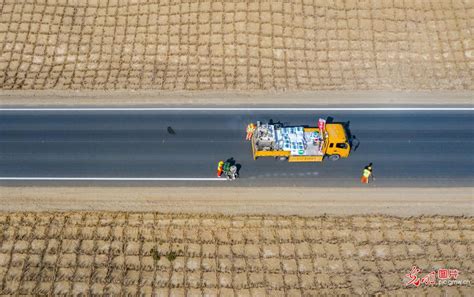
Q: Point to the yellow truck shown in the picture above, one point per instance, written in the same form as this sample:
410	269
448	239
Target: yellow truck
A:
300	144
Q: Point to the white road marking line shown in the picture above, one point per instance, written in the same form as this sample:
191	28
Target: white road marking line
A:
248	109
115	178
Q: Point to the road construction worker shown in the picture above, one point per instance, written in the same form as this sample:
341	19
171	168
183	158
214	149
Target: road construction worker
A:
230	171
220	168
366	174
226	167
250	130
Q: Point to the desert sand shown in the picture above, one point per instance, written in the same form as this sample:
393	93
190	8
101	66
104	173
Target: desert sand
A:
216	255
236	45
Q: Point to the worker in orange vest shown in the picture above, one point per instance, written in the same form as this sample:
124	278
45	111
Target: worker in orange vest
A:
220	166
366	174
250	129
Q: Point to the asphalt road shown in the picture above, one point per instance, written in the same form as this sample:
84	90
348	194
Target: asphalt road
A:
409	148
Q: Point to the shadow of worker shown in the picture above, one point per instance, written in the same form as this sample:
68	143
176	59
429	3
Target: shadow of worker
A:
231	161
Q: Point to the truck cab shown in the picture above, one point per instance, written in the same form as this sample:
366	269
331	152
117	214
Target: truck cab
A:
337	142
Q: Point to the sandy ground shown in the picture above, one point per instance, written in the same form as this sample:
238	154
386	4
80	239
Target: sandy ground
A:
286	201
96	253
236	45
145	98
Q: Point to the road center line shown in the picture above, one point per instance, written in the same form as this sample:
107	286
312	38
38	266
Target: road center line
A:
248	109
115	178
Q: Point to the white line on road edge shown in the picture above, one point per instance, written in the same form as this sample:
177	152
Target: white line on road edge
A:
115	178
248	109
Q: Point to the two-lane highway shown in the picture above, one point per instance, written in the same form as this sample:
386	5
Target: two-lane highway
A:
182	147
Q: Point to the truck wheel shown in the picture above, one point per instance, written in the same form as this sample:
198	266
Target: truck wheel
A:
334	157
282	158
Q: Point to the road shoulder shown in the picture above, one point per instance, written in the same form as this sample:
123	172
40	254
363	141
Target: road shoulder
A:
277	201
230	98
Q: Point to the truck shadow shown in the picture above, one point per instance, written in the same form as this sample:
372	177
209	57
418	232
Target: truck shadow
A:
354	142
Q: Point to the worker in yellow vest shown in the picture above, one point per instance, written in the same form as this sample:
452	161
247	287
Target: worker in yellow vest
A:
366	174
220	166
250	129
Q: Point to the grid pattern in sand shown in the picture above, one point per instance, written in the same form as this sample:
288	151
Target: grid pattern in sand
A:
103	252
241	45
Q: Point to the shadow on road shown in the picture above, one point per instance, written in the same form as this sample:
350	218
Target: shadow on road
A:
171	131
354	142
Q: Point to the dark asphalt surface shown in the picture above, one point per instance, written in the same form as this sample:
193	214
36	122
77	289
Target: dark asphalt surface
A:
409	148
